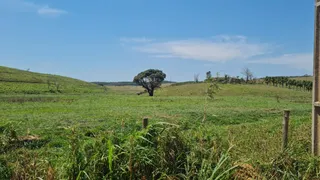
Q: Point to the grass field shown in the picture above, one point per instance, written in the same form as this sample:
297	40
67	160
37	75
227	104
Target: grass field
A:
247	117
56	134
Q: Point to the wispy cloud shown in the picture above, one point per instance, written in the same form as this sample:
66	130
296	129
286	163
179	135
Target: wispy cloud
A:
221	48
135	40
28	6
300	60
51	11
216	49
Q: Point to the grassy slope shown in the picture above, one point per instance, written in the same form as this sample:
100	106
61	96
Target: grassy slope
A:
232	90
19	81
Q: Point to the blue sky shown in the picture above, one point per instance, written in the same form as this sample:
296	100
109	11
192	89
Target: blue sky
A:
113	40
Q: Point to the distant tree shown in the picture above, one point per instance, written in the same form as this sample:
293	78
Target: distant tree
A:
284	81
150	79
247	73
226	78
273	80
208	75
267	80
299	85
293	82
309	86
196	78
290	83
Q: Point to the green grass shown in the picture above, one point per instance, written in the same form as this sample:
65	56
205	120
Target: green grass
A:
19	81
249	117
125	90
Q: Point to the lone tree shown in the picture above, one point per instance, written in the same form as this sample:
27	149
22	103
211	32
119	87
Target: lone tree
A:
150	79
208	75
247	73
196	78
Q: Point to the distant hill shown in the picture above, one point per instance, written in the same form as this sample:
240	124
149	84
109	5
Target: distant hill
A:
125	83
26	82
303	78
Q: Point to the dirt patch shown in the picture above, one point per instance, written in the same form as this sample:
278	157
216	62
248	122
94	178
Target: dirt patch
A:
246	172
29	138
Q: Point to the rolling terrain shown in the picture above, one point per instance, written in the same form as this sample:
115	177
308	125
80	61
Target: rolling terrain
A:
25	82
79	130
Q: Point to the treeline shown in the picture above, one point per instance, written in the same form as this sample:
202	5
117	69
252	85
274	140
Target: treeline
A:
222	80
226	79
289	83
232	80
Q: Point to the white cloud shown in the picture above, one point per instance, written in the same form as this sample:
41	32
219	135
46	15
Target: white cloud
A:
46	10
217	49
300	61
135	40
221	48
28	6
226	38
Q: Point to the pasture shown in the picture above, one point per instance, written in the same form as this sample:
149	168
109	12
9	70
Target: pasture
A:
247	118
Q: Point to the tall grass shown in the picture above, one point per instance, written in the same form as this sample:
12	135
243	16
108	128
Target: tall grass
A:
159	152
109	143
162	151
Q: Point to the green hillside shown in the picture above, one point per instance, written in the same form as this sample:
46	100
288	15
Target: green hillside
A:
20	81
199	89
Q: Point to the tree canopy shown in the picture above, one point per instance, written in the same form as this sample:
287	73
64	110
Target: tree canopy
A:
150	79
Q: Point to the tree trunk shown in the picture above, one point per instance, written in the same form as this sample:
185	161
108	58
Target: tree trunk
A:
150	92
